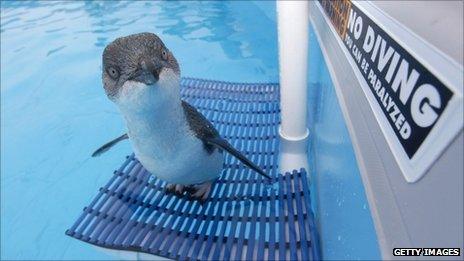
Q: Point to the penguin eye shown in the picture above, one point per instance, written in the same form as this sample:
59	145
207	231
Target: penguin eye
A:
164	55
113	72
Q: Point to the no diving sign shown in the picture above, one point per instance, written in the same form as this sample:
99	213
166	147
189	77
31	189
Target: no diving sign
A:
418	112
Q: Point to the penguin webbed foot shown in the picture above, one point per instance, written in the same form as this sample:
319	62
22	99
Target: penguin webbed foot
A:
198	192
176	189
201	191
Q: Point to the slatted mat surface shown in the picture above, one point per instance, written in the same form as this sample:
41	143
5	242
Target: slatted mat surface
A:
246	217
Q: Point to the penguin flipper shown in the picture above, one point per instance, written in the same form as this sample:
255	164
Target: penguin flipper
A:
205	131
199	125
108	145
223	144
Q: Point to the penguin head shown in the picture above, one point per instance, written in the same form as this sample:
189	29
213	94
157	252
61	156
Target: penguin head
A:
139	70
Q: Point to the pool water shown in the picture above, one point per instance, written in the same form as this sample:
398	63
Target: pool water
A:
54	114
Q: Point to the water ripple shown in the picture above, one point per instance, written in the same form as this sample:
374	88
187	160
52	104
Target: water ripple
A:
54	110
55	50
55	30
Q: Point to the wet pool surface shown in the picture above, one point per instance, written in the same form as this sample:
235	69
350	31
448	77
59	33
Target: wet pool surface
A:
54	112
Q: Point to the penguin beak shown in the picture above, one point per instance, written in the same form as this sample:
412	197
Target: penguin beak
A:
147	73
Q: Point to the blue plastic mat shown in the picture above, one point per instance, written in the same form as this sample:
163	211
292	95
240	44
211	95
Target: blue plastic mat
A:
245	218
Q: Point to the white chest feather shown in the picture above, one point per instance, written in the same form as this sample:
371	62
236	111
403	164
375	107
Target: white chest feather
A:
167	148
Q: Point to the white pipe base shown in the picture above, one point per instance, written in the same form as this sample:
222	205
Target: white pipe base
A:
293	152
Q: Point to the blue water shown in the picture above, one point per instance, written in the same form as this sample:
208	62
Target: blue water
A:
54	111
54	114
346	227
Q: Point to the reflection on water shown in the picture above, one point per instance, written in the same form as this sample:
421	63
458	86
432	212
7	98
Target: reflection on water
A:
54	112
103	20
233	25
238	37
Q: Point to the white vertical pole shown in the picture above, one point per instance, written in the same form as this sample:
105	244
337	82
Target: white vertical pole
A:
292	22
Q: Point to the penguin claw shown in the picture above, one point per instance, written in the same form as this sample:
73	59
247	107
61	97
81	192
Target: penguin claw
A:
176	189
170	188
180	189
201	191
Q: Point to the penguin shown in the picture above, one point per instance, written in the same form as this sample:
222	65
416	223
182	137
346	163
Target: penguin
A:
170	138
